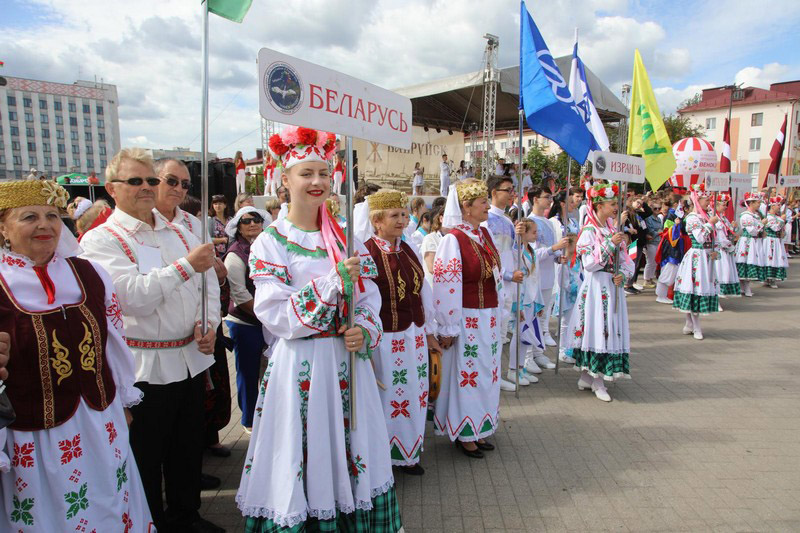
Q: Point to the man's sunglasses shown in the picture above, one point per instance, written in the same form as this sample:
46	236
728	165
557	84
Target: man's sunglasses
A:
137	182
173	182
251	220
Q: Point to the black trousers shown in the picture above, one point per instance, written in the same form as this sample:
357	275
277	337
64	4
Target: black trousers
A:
167	439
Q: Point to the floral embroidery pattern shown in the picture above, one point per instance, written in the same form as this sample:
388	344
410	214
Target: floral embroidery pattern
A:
23	455
303	386
114	312
494	375
398	345
71	448
471	350
451	273
423	400
468	379
22	510
127	522
13	261
122	476
262	269
77	501
472	323
399	377
419	341
422	371
400	408
311	310
493	322
604	299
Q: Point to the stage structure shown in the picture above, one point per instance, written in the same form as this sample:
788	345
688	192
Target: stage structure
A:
491	79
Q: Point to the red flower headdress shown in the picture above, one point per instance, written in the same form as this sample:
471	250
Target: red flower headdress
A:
300	145
776	200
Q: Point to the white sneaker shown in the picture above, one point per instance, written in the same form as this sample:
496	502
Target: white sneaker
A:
566	359
638	286
664	300
749	294
531	367
548	341
698	334
530	377
602	394
507	385
719	309
544	362
688	330
584	385
522	381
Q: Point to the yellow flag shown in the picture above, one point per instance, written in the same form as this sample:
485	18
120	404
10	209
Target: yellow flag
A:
647	135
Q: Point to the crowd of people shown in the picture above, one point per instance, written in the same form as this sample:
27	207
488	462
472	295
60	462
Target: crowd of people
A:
116	330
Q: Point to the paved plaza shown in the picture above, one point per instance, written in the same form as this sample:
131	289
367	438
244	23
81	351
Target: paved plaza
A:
705	437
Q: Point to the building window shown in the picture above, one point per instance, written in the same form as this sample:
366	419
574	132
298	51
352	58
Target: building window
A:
29	132
32	160
99	110
17	160
73	135
57	105
711	123
31	146
87	123
26	102
12	115
12	101
62	149
103	163
73	121
45	147
43	118
71	107
45	134
62	161
89	150
15	145
47	161
757	119
76	163
752	169
102	150
42	104
88	136
59	134
14	131
76	149
755	144
101	137
86	109
59	120
2	160
28	117
100	123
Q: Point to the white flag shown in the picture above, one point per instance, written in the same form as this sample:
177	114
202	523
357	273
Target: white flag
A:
583	99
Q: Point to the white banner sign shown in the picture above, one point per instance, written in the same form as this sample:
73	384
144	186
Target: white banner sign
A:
789	181
718	181
293	91
611	166
741	181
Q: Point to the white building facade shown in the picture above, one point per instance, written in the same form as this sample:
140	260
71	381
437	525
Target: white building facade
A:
57	128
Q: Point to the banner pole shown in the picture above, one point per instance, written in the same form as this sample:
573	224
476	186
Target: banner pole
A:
520	244
351	307
204	169
616	251
565	221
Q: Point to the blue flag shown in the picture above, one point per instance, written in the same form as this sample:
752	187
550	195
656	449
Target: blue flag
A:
543	94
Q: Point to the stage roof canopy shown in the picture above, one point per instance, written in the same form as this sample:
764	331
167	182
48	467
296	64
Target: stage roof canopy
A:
456	102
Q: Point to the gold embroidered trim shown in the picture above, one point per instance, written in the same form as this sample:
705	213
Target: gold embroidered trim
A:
60	362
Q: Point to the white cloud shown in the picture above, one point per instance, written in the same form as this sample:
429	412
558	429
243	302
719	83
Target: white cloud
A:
763	77
669	98
140	140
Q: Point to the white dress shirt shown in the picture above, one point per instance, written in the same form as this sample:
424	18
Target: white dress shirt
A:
190	222
159	293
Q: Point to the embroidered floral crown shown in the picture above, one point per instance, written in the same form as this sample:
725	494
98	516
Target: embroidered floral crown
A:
301	145
752	196
776	200
387	199
33	192
723	197
468	191
700	189
602	192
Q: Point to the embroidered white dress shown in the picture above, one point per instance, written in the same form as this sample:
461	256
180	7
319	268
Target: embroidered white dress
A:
532	303
696	285
750	261
725	265
401	364
304	461
598	332
80	475
468	405
775	259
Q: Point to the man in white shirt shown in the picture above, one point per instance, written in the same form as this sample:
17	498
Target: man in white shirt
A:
156	267
175	184
444	176
500	167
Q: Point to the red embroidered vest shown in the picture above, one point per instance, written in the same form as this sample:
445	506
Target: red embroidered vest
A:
477	260
400	279
58	356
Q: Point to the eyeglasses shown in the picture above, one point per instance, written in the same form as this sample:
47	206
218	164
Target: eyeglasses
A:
510	189
173	182
137	182
548	197
251	220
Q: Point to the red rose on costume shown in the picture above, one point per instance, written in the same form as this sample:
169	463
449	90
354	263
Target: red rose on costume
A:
310	306
306	135
578	332
343	384
305	385
277	146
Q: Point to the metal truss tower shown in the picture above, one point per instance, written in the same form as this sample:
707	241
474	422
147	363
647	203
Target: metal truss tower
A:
491	79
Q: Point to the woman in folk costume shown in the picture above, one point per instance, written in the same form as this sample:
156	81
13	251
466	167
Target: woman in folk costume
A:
401	360
775	259
598	329
696	286
306	468
725	265
338	174
271	177
241	172
749	249
65	462
467	286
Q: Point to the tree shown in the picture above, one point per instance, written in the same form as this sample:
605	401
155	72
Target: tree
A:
679	127
696	99
538	162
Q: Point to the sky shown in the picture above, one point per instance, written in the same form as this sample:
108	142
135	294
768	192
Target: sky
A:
150	49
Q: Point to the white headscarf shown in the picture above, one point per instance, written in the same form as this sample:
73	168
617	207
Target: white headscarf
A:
83	206
362	227
452	210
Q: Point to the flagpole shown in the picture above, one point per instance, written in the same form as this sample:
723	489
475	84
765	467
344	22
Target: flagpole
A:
520	244
565	221
351	307
204	169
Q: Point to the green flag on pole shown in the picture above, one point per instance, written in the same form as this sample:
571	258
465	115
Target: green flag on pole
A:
234	10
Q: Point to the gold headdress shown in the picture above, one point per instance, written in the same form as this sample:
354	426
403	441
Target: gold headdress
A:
470	190
32	192
387	199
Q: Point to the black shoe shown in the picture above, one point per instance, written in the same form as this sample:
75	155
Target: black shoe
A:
474	454
485	446
201	525
413	470
219	451
208	482
631	291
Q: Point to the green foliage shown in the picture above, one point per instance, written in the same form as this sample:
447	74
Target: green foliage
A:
691	101
679	127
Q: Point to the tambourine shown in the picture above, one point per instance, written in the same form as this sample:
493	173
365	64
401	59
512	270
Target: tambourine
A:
434	374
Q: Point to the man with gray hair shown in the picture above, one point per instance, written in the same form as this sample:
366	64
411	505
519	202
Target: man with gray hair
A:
175	185
156	267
